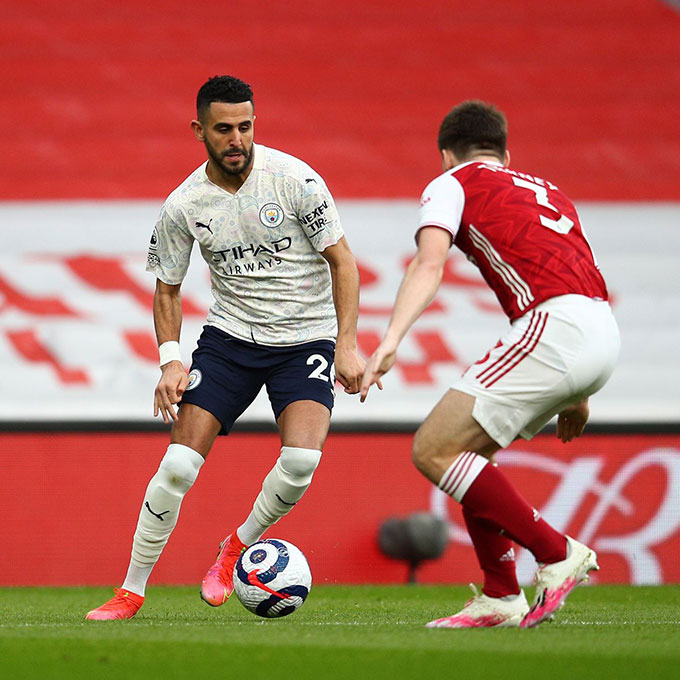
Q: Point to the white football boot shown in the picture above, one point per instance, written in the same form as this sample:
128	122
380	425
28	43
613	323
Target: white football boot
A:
486	612
555	581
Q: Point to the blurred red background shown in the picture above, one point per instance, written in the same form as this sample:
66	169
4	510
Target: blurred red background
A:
97	97
73	500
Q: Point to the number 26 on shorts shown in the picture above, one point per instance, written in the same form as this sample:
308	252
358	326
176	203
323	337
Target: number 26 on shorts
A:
320	364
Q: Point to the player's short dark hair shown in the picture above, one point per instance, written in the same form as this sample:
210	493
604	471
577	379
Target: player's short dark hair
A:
471	127
225	89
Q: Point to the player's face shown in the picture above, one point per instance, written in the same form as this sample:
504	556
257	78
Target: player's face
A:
227	132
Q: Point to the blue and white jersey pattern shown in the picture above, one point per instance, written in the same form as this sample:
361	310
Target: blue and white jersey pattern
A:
262	245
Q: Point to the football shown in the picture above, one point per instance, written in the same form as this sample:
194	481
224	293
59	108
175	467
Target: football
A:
272	578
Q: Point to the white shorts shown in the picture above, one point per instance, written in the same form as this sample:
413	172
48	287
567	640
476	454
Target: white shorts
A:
559	353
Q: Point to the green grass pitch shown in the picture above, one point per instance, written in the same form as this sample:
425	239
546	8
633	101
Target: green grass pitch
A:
341	632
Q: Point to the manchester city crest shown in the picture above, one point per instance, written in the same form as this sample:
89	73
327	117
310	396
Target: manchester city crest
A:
271	214
195	378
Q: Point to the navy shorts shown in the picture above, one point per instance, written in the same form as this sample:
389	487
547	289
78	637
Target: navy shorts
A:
228	373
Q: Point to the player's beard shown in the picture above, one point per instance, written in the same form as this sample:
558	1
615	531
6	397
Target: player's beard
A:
229	169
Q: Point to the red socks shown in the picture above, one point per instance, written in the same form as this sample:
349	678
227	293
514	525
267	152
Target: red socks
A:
485	492
495	554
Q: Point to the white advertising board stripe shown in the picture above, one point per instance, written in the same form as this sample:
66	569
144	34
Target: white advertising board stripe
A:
77	340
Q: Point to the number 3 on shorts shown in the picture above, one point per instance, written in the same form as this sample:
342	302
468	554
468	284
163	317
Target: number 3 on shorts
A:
321	364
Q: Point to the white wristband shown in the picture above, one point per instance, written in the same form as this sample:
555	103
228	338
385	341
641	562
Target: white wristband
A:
169	351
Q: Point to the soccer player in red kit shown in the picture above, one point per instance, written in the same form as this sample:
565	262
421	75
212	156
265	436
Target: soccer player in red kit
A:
525	237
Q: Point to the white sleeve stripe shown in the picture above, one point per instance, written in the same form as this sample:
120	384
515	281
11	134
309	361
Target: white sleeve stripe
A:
513	280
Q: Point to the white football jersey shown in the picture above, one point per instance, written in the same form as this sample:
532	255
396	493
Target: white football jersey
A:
262	245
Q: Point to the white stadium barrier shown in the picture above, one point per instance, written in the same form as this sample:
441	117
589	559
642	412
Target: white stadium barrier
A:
76	333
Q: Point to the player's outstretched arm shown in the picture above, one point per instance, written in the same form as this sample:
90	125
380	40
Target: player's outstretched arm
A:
349	365
167	318
418	287
572	421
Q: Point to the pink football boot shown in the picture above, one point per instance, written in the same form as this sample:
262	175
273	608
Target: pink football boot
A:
218	583
486	612
555	581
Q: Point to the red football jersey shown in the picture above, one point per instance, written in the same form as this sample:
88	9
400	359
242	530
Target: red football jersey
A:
521	231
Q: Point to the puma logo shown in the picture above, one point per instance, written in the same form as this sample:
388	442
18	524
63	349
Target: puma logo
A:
155	514
205	226
285	502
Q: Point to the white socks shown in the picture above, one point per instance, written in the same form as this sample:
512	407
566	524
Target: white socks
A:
176	474
282	488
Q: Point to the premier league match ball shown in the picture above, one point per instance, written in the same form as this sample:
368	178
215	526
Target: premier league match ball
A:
272	578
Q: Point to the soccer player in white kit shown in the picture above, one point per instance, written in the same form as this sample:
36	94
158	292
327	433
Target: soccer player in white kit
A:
286	291
525	236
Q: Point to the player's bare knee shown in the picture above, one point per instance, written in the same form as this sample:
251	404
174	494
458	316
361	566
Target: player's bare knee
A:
422	454
432	458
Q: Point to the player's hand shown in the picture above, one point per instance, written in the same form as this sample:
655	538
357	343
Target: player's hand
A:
572	420
349	368
380	362
169	391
